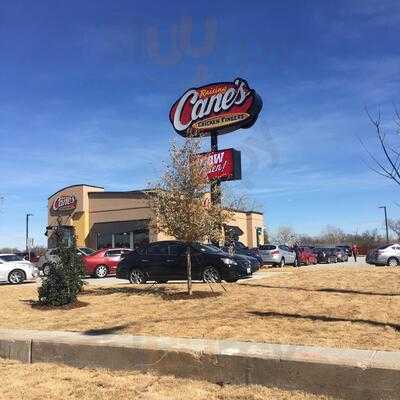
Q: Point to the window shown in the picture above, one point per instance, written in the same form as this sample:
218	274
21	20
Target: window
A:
86	250
104	240
176	249
113	253
122	239
206	249
10	257
158	249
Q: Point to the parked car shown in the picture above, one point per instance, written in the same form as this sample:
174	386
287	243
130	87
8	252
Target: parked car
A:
14	270
385	255
347	249
255	263
277	255
51	256
32	257
325	255
240	248
166	260
307	256
341	254
103	262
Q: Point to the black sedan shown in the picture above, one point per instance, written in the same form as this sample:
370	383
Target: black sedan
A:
325	255
166	260
255	263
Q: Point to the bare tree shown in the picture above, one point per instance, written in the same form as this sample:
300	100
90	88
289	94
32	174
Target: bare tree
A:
180	201
388	164
332	235
394	226
284	235
240	201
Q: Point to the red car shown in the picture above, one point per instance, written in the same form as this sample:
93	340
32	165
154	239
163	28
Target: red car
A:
103	262
307	256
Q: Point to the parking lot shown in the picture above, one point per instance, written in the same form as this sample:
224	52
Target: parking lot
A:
265	272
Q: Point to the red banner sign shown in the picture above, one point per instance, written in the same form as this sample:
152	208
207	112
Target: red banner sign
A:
64	203
223	165
216	108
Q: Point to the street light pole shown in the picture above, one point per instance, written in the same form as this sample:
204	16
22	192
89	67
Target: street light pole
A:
27	232
386	224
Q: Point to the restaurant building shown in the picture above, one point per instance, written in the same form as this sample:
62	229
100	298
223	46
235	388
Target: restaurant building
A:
102	219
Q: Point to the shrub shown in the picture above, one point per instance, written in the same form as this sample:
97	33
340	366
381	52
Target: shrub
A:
65	279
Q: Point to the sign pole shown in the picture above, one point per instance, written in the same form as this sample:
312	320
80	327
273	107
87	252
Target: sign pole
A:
215	184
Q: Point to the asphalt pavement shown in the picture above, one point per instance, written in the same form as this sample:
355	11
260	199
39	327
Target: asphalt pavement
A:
112	281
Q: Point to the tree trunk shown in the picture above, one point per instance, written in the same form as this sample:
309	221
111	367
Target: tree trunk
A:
189	270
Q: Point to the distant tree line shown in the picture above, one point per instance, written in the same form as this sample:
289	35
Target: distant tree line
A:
38	250
333	236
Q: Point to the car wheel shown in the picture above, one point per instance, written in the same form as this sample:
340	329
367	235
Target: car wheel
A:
46	269
296	263
393	262
211	275
101	271
137	276
282	263
16	276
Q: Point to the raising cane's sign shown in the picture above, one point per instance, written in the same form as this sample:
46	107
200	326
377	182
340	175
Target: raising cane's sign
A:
216	108
64	203
223	165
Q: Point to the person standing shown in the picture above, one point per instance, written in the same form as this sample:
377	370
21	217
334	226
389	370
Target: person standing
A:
296	249
354	250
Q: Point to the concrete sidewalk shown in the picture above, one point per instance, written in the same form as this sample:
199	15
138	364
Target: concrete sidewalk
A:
345	373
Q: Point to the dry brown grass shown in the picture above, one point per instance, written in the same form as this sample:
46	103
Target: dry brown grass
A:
54	382
344	307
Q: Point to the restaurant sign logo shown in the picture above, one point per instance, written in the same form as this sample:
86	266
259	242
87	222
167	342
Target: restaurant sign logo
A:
64	203
216	108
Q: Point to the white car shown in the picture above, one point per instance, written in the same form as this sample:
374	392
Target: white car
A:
15	270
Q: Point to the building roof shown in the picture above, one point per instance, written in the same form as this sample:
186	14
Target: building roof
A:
135	193
71	186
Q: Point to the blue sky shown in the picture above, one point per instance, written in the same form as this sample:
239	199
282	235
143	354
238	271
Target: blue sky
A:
86	89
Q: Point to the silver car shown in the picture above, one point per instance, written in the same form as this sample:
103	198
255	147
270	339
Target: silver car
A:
385	255
277	255
51	256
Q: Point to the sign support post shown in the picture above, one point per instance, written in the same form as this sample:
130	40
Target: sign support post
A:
215	184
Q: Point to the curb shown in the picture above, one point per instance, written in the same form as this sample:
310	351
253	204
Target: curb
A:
344	373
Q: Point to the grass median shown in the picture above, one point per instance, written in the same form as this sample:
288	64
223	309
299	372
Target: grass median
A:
49	382
342	307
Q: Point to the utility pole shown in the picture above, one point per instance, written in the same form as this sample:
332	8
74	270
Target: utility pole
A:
27	232
386	224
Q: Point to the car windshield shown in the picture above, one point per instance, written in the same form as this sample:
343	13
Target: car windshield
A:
268	247
86	250
217	249
385	246
11	257
205	248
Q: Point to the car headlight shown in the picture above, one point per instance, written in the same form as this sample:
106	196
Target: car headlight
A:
228	261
